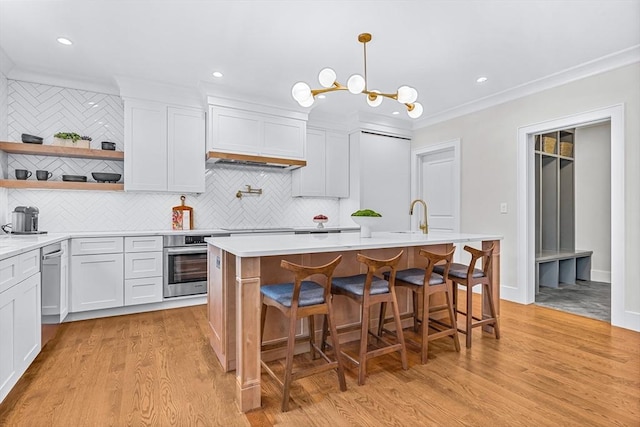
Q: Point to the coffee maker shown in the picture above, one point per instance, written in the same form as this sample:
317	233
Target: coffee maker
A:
24	220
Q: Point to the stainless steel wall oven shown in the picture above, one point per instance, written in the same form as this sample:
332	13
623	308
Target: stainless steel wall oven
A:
185	265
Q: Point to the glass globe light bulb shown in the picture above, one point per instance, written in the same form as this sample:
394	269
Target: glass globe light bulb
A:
327	77
356	84
416	111
301	91
407	95
307	102
375	101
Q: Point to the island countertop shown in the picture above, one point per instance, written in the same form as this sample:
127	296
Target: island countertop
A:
268	245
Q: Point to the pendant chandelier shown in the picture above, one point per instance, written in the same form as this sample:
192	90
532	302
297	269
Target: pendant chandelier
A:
305	96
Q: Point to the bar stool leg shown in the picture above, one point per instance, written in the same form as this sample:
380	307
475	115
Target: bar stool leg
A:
399	334
364	340
492	309
469	318
289	363
312	337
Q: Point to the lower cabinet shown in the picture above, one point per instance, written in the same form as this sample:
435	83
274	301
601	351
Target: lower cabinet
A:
143	277
20	332
97	281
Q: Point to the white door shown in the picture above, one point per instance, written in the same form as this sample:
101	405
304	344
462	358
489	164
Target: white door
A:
437	182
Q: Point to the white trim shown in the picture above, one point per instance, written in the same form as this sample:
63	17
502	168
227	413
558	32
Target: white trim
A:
525	190
601	276
601	65
416	156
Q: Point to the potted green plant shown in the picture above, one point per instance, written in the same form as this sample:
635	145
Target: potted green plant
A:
66	139
366	218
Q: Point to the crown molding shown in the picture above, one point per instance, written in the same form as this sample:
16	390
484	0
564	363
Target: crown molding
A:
71	82
597	66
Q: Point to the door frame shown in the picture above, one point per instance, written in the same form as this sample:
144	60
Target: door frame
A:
416	172
525	293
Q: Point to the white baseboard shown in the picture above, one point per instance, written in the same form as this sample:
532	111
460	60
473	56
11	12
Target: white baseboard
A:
142	308
601	276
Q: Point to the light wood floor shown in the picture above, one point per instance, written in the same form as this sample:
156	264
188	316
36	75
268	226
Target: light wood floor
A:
550	368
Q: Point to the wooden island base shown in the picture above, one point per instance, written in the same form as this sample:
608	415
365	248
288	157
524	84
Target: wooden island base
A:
234	301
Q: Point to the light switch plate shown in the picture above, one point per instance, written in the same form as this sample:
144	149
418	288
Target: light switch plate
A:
503	208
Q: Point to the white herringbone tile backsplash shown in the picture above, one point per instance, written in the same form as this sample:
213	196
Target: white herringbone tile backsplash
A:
44	110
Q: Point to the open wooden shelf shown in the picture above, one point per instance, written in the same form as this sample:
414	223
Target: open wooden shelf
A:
51	150
61	185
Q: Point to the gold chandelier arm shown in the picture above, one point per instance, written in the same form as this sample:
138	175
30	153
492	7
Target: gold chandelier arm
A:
373	95
336	86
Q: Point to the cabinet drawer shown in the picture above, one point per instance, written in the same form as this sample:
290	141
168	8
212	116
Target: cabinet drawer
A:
143	244
142	291
9	272
29	263
97	245
142	264
17	268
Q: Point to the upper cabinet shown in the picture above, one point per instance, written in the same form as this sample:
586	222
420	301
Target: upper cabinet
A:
256	130
327	170
165	147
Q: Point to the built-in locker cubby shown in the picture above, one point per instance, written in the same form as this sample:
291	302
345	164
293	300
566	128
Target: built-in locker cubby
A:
557	261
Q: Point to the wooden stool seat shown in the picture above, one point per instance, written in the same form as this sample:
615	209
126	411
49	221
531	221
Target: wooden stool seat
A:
369	289
423	283
469	276
298	299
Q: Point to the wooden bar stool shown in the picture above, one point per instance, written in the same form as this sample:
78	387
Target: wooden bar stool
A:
423	283
469	276
369	289
303	298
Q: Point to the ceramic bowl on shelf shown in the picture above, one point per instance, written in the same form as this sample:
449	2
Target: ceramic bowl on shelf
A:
106	176
74	178
31	139
366	223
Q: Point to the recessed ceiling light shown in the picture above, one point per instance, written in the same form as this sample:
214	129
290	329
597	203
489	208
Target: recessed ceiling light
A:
395	113
217	74
322	96
481	79
65	41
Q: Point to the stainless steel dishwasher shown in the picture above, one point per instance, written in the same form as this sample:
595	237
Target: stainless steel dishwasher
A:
51	268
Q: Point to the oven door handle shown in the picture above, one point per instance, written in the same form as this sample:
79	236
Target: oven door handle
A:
198	250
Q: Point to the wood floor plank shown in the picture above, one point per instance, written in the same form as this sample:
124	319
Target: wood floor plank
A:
549	368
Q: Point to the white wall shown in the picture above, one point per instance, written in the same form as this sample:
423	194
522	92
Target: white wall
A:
489	156
44	110
592	153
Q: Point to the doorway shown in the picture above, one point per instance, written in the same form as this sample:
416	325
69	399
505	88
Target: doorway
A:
436	180
525	291
573	220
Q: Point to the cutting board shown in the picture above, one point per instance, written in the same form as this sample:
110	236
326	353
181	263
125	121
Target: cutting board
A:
182	216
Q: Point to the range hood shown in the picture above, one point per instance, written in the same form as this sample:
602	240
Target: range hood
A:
253	160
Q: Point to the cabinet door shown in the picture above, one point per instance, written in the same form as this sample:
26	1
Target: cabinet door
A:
235	131
310	180
283	137
186	150
337	165
20	331
145	146
97	281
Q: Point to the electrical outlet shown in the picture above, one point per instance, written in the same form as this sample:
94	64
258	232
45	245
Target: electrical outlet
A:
503	208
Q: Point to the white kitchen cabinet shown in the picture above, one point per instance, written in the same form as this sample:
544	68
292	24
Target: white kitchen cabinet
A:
164	147
327	170
97	281
233	130
143	269
20	324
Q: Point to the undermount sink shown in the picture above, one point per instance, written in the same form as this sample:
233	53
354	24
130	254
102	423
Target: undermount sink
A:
408	232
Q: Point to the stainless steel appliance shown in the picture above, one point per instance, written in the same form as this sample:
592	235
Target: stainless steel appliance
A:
24	220
185	265
52	306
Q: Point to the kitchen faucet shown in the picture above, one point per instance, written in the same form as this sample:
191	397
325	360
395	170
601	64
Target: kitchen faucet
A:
424	226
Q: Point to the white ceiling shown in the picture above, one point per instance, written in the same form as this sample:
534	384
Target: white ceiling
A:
264	47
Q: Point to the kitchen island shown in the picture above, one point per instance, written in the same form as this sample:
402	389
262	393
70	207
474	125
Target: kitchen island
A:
239	265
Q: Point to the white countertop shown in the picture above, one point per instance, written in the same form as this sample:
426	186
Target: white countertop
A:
15	244
266	245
